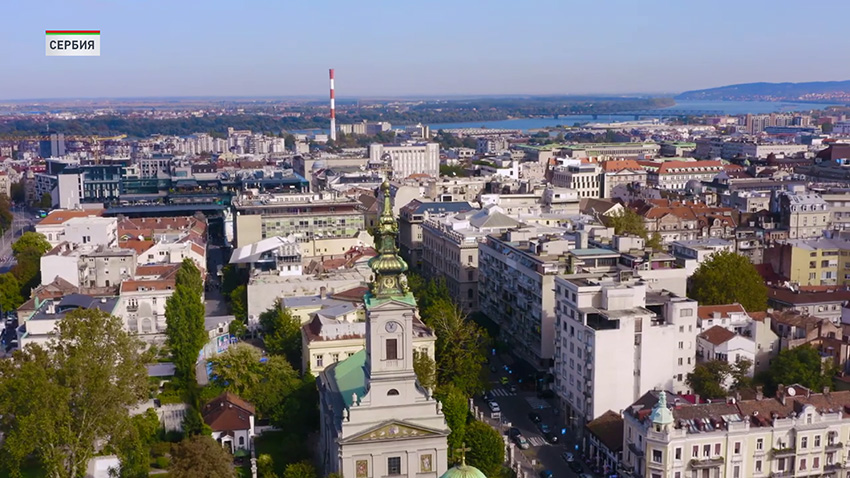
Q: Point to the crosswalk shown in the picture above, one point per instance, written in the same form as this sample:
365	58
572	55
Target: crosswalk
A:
536	440
502	392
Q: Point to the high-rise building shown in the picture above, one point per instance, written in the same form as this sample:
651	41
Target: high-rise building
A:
53	146
408	159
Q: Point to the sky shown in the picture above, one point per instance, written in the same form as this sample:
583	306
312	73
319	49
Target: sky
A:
405	48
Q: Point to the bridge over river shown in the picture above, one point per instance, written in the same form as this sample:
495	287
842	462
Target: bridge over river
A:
663	113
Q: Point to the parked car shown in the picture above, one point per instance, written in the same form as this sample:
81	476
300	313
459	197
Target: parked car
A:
568	457
551	437
575	466
544	428
521	442
513	433
512	388
534	417
504	380
494	407
546	474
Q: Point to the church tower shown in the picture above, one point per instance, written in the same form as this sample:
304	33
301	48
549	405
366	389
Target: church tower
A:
390	309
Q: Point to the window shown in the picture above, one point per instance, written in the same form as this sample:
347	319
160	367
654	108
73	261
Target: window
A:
737	448
802	464
706	451
680	360
758	466
681	345
686	313
717	449
678	454
804	442
320	360
394	465
780	465
817	441
760	444
335	357
736	472
392	392
392	352
656	456
816	462
241	441
695	451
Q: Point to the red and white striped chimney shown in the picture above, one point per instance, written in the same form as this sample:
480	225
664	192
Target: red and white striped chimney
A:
333	107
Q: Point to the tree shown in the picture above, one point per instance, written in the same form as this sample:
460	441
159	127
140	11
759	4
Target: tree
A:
486	448
655	242
19	192
10	292
827	127
239	302
460	349
237	328
726	278
709	378
456	410
426	369
282	333
46	202
802	365
265	466
302	469
134	447
626	221
28	250
200	456
266	384
58	400
184	319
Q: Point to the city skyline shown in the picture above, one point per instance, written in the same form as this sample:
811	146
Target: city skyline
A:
209	49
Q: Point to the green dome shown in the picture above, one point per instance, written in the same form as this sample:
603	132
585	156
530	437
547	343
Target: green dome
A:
463	471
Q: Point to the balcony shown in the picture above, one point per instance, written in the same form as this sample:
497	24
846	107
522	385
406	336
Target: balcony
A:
782	474
707	462
834	445
783	452
832	467
132	307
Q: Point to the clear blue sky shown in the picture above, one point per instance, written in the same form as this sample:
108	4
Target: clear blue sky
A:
438	47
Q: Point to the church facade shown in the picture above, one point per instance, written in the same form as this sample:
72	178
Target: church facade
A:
376	420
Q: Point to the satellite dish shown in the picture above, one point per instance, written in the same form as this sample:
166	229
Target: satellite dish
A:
791	392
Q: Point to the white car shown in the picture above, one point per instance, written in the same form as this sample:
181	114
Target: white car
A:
494	407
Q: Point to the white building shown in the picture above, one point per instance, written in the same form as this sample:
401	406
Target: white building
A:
408	159
694	252
52	227
586	179
718	343
654	333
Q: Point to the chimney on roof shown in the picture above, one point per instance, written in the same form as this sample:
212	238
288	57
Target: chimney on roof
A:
696	399
323	292
759	392
780	393
715	315
826	390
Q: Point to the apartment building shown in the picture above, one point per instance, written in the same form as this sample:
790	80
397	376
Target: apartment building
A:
804	215
322	223
583	178
811	262
597	314
409	159
410	220
516	279
675	175
625	172
798	433
53	226
450	250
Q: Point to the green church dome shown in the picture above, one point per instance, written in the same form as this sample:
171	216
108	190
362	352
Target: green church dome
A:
463	471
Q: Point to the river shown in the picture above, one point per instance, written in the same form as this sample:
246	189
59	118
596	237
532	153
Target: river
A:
726	107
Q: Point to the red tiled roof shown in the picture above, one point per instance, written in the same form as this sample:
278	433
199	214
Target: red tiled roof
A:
228	412
717	335
611	166
136	285
139	246
59	216
707	311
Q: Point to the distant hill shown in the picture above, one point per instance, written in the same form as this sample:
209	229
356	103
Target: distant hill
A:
814	91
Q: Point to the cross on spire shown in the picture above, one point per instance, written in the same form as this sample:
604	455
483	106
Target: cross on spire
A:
462	450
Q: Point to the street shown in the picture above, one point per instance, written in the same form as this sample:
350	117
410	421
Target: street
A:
23	220
515	409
